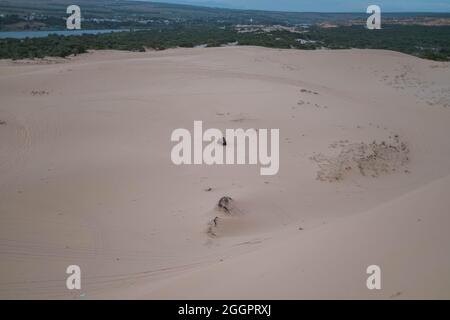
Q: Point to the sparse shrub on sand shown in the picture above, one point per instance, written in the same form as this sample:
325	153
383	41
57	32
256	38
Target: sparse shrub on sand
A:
39	93
212	227
369	159
308	91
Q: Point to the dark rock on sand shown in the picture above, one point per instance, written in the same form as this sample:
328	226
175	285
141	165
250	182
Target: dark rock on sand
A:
226	204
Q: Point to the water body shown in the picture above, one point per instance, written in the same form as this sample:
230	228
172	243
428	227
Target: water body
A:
43	34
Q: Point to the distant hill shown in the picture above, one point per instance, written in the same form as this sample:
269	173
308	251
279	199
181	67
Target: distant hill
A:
132	10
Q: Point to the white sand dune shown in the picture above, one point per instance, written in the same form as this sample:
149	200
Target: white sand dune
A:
407	237
86	176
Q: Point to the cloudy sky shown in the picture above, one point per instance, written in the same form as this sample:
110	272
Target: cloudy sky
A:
326	5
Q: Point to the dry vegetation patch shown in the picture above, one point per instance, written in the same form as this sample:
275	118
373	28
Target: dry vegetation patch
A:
369	159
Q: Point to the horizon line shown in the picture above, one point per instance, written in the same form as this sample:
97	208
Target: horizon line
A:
281	10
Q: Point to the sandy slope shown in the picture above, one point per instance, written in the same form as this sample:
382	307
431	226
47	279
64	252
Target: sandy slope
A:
86	176
406	237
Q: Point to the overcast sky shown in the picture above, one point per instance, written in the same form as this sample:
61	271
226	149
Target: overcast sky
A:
326	5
